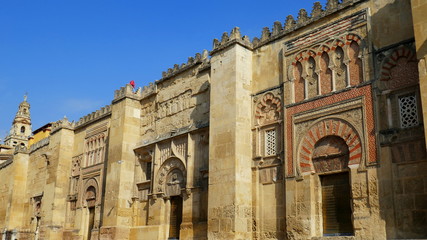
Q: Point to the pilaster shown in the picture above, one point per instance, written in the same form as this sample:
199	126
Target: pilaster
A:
230	194
120	161
58	161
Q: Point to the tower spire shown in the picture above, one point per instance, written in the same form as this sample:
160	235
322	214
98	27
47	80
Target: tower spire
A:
21	125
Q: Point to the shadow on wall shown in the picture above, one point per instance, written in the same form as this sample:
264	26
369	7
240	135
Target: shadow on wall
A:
401	177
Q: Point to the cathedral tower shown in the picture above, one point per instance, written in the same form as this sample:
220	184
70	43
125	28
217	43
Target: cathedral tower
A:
21	126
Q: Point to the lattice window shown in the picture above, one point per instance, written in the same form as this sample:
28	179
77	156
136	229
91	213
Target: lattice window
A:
408	111
270	142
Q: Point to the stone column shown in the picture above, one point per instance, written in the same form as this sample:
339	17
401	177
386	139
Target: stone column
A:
230	148
119	180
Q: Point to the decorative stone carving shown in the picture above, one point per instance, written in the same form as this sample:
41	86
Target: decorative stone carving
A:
310	64
76	165
175	105
268	109
179	147
174	182
325	128
330	154
171	177
95	149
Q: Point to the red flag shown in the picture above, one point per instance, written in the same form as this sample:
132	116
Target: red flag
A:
132	83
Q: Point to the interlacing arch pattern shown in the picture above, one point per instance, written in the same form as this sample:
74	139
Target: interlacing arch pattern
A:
329	127
95	149
341	55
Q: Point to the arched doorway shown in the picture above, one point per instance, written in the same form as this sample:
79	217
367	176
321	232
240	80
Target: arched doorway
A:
90	200
330	159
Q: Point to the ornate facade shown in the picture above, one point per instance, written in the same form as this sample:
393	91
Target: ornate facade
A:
312	131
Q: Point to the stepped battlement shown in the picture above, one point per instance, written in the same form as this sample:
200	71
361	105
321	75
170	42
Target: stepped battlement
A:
93	116
279	30
192	61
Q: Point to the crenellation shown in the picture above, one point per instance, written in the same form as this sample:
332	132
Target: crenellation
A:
62	124
290	23
199	58
149	90
331	5
104	111
235	37
303	17
224	38
265	35
127	92
277	28
317	10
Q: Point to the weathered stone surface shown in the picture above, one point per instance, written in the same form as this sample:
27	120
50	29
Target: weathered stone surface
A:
238	144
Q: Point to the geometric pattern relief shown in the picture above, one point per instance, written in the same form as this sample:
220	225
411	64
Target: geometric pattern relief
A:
408	111
270	142
303	64
329	127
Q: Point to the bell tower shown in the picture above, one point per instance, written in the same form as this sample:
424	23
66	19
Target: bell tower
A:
21	126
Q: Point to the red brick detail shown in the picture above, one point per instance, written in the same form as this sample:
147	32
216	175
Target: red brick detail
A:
299	82
324	128
400	69
355	64
355	148
354	157
306	150
369	129
353	37
325	75
391	62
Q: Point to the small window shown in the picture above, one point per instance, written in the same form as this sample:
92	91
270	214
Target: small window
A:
408	111
270	142
148	171
22	129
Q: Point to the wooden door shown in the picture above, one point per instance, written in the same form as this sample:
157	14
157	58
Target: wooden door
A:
175	217
336	209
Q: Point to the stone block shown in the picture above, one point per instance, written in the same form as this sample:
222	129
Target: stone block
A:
413	185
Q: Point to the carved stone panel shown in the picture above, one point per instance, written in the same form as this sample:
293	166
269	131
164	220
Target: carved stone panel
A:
174	182
171	177
76	165
268	109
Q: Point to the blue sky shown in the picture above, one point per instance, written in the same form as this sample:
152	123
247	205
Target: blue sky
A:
70	56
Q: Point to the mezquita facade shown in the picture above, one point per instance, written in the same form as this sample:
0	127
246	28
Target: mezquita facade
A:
314	130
